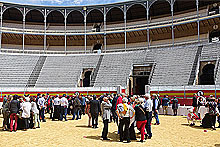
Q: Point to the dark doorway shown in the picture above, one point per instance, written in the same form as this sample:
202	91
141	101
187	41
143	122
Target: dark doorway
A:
140	85
97	46
214	36
141	74
86	80
207	76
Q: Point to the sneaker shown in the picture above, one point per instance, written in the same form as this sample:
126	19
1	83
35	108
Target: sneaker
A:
128	141
106	139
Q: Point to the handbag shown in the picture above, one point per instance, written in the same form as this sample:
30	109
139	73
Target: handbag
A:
19	114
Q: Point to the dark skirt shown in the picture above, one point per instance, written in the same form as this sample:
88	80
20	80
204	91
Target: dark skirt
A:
56	112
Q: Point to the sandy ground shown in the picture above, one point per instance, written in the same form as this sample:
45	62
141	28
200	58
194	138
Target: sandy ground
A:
173	131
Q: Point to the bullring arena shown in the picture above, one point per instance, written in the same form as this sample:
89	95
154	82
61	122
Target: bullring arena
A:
160	47
174	131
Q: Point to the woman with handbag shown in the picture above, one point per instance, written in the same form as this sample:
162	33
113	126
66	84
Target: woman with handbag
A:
141	119
13	108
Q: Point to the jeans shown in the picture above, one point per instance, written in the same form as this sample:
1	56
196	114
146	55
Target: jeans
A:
95	120
36	120
105	129
75	113
42	113
13	116
156	117
83	109
124	133
148	126
63	112
141	127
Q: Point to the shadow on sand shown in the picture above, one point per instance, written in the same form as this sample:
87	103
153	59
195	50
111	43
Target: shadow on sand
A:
197	127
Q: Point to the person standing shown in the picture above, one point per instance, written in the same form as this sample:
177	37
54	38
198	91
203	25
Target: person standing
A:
124	114
6	112
95	110
5	100
114	114
155	108
35	112
175	105
195	102
64	105
26	112
165	103
76	108
13	108
41	104
88	112
148	112
56	114
83	106
106	112
141	119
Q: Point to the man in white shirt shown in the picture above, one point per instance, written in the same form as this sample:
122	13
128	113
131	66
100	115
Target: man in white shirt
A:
148	112
64	105
41	103
124	113
56	114
26	112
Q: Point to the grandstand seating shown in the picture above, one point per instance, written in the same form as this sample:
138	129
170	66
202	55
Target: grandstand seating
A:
16	69
210	51
116	68
173	66
64	71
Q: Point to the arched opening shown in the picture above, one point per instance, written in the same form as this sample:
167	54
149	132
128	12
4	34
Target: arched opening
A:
95	20
115	16
214	36
34	19
207	76
55	20
136	13
75	21
12	18
160	11
185	7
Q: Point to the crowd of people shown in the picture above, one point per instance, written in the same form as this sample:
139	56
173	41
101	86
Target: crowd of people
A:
126	111
212	104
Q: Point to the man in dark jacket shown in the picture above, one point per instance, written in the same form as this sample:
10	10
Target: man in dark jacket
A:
114	101
195	102
95	110
76	108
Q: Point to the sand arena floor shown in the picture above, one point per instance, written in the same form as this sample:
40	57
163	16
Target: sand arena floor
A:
173	131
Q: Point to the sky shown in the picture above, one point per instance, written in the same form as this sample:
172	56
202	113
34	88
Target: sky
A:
63	2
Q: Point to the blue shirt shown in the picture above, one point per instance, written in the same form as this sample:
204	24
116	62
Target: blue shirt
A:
148	105
83	101
165	102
